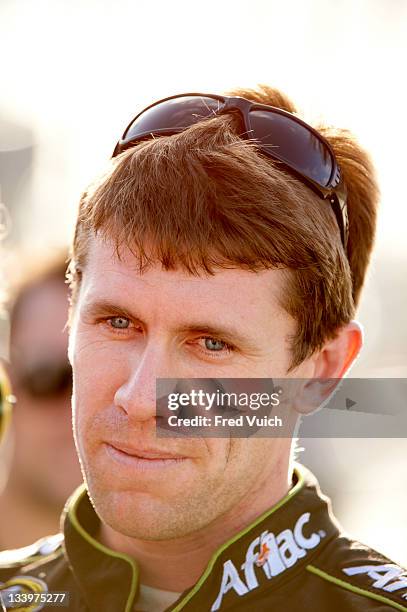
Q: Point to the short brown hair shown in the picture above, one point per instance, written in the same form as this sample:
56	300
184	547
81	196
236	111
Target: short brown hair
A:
206	199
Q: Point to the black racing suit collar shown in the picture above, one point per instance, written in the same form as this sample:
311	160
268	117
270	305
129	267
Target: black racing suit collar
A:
273	549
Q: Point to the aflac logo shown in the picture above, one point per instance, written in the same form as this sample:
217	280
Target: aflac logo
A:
274	554
388	577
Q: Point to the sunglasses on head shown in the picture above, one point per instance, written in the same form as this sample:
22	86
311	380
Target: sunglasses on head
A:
46	380
277	133
6	400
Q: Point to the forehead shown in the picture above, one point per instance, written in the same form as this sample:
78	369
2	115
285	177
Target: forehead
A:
107	276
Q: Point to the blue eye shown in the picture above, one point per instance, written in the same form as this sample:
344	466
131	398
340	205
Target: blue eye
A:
119	322
211	344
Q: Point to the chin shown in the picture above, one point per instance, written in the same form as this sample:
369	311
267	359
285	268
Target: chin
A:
138	515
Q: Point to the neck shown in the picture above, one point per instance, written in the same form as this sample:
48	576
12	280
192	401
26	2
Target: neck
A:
186	557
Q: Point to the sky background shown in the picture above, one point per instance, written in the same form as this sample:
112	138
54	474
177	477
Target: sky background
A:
73	73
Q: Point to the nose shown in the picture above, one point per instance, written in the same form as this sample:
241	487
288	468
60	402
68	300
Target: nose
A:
137	395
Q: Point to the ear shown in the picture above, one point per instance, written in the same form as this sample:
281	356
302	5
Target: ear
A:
337	355
328	366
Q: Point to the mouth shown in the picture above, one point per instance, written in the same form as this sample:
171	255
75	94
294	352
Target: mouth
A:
143	458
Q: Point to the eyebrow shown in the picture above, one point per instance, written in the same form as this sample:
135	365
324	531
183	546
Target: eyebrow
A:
226	333
107	307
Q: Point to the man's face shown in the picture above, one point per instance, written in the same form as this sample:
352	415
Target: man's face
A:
129	329
44	447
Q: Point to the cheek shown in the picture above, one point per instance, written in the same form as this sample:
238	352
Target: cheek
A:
235	460
88	400
97	375
249	457
217	453
99	369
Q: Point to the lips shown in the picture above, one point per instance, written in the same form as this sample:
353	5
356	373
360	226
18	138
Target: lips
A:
144	453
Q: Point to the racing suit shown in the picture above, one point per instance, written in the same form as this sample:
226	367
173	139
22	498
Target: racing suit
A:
295	557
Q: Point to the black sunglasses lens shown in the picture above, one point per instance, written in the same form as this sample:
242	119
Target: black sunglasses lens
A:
292	143
48	381
175	114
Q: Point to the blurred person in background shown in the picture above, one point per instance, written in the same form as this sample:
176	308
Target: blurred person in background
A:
43	468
